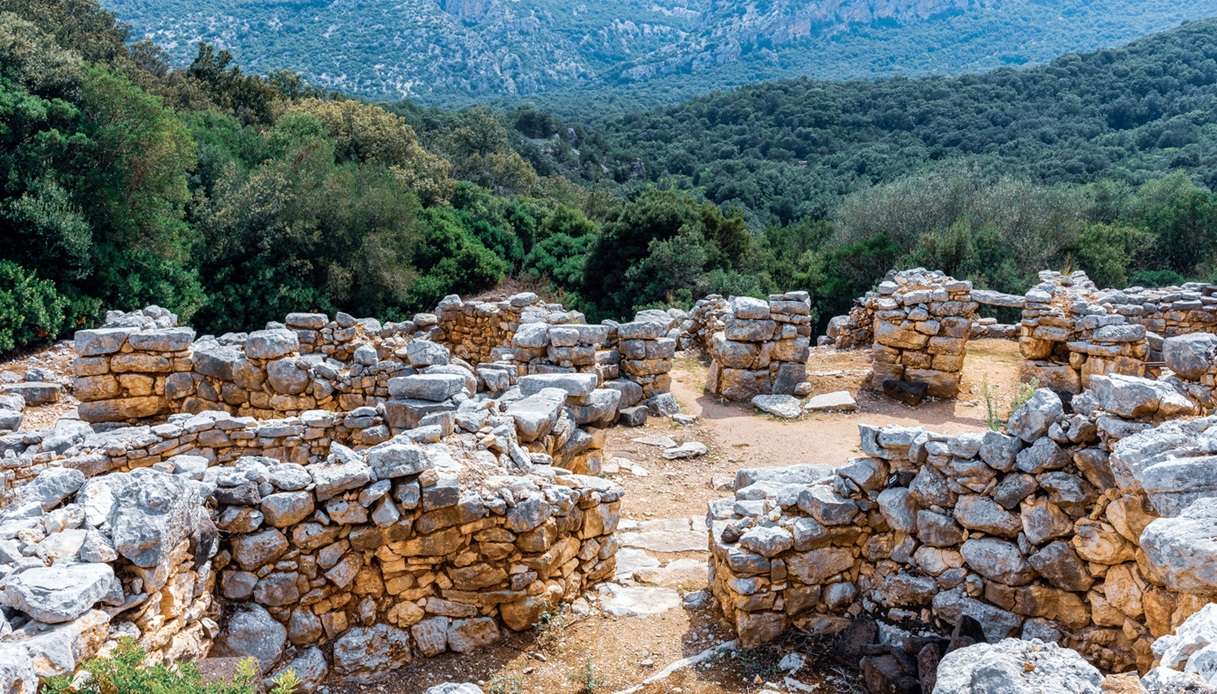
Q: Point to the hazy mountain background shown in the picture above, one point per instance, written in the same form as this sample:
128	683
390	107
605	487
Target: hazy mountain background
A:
592	55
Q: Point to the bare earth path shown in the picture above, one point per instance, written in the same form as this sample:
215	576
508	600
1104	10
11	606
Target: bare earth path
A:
662	558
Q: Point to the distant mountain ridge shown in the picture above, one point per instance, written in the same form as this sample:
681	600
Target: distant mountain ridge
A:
647	51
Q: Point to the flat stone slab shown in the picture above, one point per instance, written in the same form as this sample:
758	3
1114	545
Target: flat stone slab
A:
838	401
678	573
637	601
656	440
35	392
784	406
579	385
631	559
690	449
666	535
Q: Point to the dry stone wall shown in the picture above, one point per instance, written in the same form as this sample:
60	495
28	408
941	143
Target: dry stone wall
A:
1069	335
419	505
922	323
1082	528
762	347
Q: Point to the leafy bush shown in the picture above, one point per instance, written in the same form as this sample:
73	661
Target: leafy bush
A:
126	673
31	310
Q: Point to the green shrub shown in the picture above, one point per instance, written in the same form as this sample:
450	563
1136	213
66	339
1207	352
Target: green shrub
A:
126	673
31	310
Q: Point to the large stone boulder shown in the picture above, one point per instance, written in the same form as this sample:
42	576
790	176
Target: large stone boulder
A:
1188	656
1183	550
57	594
253	633
1014	666
154	512
364	654
1191	355
1033	419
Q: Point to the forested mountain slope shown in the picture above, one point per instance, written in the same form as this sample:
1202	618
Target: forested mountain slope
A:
786	150
232	199
633	53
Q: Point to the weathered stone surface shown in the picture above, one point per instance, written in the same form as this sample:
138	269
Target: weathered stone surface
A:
837	401
271	344
253	632
976	512
435	387
997	560
1190	355
783	406
1183	550
285	509
364	654
153	512
60	593
1032	420
1014	666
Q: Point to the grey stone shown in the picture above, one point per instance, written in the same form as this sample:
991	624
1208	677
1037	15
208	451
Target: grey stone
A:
574	384
1183	549
284	509
61	593
1061	566
1190	356
435	387
309	666
251	632
976	512
898	509
271	344
1043	455
783	406
398	457
1032	420
996	560
1014	666
258	549
52	486
422	353
837	401
536	414
153	511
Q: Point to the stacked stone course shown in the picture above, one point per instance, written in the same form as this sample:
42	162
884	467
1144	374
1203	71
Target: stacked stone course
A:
922	323
328	541
1077	528
1069	335
646	352
762	347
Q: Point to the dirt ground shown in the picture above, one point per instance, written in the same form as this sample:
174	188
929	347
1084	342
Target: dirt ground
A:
613	654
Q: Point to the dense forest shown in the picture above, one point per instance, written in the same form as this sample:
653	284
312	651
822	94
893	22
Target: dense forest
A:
233	198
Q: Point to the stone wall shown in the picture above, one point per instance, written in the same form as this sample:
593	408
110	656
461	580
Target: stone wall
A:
1080	528
351	562
922	323
126	373
1167	311
762	347
1069	335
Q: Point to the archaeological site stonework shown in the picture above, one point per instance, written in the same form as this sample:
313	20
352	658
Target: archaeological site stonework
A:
342	496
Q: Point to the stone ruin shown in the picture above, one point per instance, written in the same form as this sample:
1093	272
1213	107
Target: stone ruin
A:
922	323
1087	525
334	496
755	346
1069	335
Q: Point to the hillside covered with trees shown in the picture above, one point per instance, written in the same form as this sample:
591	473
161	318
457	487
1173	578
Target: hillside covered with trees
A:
232	198
585	57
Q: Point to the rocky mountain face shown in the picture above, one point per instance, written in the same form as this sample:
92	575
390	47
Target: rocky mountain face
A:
461	50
